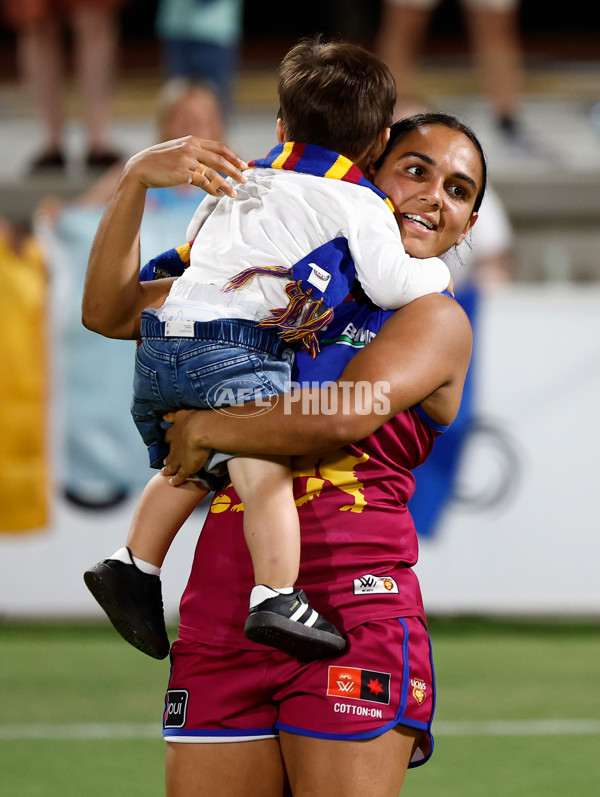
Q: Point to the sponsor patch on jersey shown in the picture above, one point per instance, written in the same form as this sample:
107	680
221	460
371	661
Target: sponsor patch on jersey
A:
357	684
419	689
370	584
176	708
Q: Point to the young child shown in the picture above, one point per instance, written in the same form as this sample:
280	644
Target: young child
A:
308	216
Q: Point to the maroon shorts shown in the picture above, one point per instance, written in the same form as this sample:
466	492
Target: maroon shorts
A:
385	678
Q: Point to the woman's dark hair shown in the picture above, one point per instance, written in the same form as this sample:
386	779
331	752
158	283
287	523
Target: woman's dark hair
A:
407	125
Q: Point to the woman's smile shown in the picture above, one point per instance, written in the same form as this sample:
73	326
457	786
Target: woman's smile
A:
419	221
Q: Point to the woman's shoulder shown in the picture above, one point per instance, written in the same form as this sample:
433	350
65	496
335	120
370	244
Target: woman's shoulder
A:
439	311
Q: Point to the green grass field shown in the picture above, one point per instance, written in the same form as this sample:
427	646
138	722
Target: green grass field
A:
518	712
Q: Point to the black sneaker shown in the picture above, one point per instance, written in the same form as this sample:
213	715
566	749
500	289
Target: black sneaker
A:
289	623
133	602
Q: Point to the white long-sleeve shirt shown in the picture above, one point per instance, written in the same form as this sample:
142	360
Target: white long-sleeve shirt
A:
279	217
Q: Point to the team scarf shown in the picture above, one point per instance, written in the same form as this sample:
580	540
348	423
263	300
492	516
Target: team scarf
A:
322	279
320	162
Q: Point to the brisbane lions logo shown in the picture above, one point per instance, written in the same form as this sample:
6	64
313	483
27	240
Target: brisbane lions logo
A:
337	468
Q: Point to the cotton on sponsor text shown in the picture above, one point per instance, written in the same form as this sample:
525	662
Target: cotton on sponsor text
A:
362	711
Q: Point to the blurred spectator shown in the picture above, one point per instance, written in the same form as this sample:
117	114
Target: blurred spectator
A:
486	257
189	106
481	263
102	460
38	25
185	107
493	27
201	40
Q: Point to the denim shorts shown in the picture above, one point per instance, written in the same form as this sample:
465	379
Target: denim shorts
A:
202	365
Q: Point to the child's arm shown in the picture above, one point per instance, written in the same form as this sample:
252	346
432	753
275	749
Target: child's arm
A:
409	279
389	276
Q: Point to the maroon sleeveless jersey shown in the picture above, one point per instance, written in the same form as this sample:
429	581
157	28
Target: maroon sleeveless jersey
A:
359	542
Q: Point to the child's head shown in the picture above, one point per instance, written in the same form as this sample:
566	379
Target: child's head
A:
335	94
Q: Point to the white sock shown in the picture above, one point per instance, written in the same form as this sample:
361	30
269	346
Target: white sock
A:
123	555
261	592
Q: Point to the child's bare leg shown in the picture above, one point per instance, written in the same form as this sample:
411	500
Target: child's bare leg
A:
127	584
161	512
271	525
280	615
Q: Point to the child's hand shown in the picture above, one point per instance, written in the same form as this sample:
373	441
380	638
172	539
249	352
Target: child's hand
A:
190	160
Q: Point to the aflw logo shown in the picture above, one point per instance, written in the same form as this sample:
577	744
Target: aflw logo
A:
345	686
370	584
358	684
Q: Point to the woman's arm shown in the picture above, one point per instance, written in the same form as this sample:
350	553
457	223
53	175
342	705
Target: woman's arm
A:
113	296
421	355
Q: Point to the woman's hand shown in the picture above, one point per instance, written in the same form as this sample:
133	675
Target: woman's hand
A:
186	455
187	160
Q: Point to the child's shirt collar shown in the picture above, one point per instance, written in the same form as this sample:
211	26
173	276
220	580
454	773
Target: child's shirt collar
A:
318	161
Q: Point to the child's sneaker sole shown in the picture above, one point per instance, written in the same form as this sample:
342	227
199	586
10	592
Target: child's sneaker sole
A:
105	584
290	624
306	644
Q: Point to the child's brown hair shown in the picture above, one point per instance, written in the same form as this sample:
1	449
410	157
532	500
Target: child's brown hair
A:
335	94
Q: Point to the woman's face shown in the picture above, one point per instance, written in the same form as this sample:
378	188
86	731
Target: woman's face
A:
432	176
